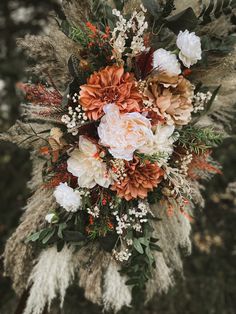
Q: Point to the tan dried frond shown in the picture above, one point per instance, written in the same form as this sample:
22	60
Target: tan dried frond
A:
77	12
18	256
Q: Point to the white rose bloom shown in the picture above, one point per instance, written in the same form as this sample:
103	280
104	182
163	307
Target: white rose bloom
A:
69	199
166	61
123	133
85	164
190	48
162	141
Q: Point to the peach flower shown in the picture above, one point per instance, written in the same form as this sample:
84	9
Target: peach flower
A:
110	85
123	133
171	98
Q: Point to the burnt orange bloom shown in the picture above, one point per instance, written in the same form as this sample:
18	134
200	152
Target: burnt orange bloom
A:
110	85
141	178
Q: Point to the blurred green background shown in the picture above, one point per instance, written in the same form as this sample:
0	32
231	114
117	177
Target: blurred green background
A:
209	286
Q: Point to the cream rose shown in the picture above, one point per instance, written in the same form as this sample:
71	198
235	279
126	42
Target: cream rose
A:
165	61
190	48
85	164
123	133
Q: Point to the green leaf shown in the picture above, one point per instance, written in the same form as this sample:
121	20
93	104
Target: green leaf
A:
60	245
132	282
119	4
44	233
153	7
73	236
149	255
155	247
34	237
109	241
214	94
144	241
61	227
48	236
186	19
138	247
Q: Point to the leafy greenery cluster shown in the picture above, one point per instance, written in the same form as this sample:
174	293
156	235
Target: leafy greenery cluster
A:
139	266
199	140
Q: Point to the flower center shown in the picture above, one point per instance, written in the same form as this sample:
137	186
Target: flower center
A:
110	94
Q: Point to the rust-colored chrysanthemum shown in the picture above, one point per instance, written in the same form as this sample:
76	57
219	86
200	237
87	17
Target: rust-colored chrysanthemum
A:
171	97
110	85
141	178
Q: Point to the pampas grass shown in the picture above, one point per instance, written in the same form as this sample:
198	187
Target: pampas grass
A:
174	238
50	277
116	293
18	256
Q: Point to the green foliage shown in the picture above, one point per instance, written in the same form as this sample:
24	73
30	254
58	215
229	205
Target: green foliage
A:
140	265
103	12
157	157
199	140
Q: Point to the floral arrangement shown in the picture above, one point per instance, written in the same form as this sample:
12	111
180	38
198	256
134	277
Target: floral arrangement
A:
124	136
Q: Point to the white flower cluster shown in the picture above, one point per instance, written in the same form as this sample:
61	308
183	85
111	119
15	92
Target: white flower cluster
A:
118	170
122	256
137	25
75	117
140	212
185	162
123	223
200	100
94	211
136	217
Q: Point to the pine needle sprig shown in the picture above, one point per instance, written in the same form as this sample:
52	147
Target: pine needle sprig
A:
199	140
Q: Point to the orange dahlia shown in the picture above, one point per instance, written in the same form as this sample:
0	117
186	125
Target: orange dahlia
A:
141	178
110	85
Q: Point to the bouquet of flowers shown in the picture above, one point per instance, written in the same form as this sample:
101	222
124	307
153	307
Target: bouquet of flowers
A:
121	142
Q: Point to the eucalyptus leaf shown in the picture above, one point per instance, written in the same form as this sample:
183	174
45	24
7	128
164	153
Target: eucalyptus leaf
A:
48	236
61	227
132	282
73	236
34	237
138	247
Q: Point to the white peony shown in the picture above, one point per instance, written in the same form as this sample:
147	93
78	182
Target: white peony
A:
162	141
190	48
123	133
69	199
85	164
166	61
